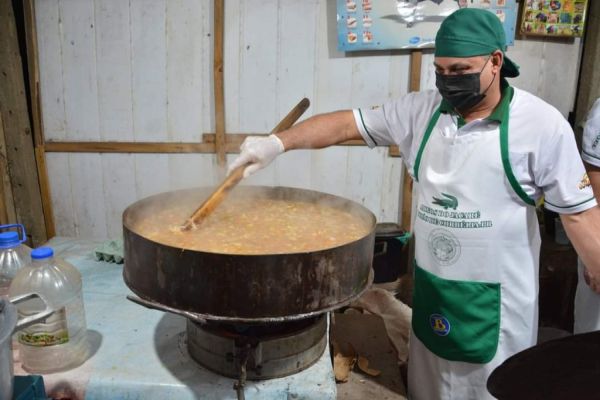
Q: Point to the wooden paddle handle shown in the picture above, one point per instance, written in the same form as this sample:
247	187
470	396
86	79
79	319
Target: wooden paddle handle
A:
216	198
237	174
292	116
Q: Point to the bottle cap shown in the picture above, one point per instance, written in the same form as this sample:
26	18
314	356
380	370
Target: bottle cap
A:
9	239
42	252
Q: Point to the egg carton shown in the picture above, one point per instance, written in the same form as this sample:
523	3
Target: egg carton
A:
111	251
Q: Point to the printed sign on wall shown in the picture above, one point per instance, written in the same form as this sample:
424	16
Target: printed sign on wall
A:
411	24
553	18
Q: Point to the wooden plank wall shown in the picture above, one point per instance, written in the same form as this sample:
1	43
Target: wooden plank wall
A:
141	70
8	213
18	141
589	84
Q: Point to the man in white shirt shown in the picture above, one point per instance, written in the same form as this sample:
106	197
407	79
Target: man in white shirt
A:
587	301
482	153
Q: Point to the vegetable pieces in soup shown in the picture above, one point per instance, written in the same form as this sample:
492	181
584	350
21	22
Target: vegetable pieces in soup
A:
259	226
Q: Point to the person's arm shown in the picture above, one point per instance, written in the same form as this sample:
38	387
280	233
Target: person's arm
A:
583	230
591	157
391	123
561	174
578	232
593	281
314	133
320	131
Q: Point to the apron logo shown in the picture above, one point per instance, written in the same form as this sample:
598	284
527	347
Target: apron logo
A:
449	201
585	182
439	324
444	246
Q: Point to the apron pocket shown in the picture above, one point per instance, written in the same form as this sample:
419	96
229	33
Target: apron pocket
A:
456	320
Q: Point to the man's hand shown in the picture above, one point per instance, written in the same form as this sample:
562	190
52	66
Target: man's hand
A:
259	152
593	281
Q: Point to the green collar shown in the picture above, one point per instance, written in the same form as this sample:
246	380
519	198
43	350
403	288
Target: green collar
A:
496	115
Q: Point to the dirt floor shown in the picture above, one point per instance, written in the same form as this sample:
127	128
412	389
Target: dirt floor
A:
366	333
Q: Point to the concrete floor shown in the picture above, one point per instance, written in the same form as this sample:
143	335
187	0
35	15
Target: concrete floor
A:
366	333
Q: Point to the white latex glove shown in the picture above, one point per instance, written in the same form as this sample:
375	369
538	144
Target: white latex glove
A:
259	151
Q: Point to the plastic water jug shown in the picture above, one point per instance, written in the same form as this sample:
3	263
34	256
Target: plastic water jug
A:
13	255
60	342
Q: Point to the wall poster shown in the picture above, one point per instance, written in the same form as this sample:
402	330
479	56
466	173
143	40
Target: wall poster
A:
561	18
411	24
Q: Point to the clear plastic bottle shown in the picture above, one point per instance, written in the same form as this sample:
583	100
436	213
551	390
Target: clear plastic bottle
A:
61	341
13	255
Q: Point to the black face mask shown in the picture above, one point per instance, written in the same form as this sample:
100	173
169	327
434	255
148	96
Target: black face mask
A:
461	91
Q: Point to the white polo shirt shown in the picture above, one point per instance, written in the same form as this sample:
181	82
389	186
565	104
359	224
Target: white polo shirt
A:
591	136
542	149
587	302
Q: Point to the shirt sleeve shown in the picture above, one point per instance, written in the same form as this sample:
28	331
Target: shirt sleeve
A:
591	136
394	122
562	175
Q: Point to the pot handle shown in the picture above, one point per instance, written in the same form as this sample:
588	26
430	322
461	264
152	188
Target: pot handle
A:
160	307
33	319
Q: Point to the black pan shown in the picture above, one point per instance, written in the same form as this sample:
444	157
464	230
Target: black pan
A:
566	368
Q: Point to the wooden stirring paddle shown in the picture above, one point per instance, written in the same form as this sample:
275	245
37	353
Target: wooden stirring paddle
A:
237	174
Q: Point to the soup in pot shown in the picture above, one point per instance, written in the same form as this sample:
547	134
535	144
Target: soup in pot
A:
256	226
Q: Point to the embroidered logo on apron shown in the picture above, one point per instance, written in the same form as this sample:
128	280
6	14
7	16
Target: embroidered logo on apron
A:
439	324
444	246
449	201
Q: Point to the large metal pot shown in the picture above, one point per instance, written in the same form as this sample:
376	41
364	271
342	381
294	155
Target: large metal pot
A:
8	326
245	288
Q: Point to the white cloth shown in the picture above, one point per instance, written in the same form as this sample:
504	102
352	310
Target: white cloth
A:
587	302
543	152
497	247
591	136
587	305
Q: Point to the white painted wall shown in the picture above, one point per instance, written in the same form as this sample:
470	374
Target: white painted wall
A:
141	70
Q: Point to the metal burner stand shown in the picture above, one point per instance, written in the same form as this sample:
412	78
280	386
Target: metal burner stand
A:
257	352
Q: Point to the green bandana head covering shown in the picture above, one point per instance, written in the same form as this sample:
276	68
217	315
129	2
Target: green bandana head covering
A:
470	32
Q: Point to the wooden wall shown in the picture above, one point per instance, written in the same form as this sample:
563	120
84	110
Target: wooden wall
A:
20	199
141	70
589	84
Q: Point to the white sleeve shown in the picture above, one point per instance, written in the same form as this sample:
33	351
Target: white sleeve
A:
395	122
562	175
591	136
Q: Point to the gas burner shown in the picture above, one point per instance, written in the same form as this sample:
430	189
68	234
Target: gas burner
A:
258	351
262	330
